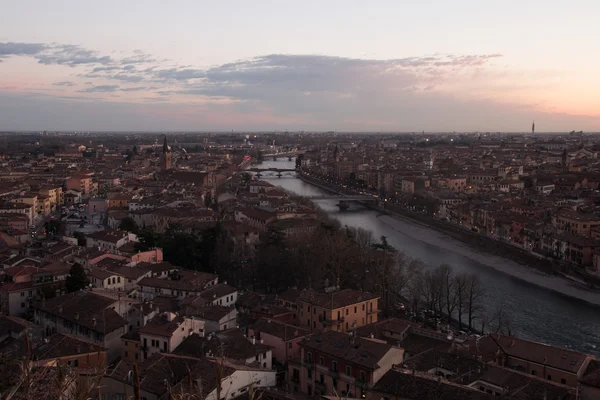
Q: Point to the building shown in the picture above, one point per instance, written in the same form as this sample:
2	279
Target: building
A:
575	222
166	331
338	363
166	156
84	184
230	344
340	310
551	363
180	284
84	314
17	208
165	376
283	338
109	240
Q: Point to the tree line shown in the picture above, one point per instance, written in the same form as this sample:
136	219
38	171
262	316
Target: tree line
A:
332	255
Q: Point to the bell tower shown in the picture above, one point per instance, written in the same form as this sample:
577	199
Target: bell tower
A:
165	158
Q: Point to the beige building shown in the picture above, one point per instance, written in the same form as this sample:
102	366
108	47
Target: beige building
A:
165	332
28	198
575	222
339	311
54	193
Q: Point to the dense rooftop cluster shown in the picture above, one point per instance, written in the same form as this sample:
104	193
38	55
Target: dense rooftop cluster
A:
107	275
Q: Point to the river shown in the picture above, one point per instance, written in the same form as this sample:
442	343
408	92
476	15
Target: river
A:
536	313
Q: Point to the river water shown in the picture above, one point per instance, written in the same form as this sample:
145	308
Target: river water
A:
536	313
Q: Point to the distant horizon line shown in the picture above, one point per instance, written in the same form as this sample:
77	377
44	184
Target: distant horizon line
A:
299	131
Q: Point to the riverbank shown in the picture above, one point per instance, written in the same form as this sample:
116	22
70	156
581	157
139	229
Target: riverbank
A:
523	265
478	249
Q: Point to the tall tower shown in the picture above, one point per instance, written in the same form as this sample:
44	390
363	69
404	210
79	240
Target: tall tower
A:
533	129
165	157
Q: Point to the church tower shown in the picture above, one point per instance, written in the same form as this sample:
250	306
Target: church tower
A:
165	158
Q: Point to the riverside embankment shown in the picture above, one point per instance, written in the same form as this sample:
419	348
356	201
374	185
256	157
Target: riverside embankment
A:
537	312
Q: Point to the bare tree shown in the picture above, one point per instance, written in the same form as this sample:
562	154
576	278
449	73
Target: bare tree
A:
461	282
448	288
432	292
474	294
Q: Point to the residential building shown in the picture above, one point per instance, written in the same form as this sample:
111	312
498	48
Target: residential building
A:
283	338
340	310
166	331
338	363
84	314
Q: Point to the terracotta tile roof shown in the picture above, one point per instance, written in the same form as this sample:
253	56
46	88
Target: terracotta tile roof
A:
356	350
556	357
175	369
278	329
210	313
64	345
161	326
231	344
420	387
333	300
86	309
217	291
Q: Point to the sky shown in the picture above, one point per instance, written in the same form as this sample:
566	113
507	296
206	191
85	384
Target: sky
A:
381	66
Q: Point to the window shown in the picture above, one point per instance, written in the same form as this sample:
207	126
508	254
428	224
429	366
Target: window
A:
308	308
549	377
355	310
321	378
334	366
289	345
315	324
563	381
348	370
363	307
363	376
118	279
314	310
322	360
339	316
308	356
308	322
346	311
309	373
22	294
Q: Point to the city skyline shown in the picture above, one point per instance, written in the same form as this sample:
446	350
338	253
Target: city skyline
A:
195	66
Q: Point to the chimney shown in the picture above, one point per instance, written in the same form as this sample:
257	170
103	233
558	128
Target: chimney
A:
512	343
253	339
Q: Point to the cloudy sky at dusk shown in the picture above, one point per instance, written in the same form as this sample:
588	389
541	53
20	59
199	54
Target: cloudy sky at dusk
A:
300	65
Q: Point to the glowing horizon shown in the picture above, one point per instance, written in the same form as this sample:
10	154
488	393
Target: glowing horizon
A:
344	66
